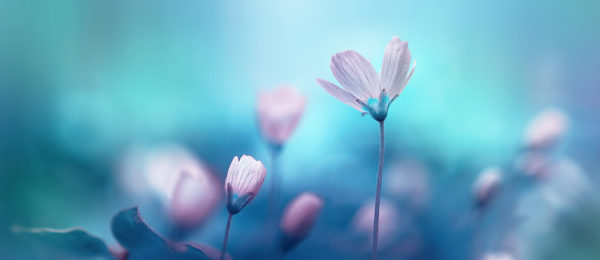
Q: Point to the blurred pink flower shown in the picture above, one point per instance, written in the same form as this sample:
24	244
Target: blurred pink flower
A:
279	111
486	186
546	129
363	89
301	214
408	181
244	179
389	221
186	186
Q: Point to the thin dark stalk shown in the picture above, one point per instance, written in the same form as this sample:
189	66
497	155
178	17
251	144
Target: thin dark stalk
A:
226	236
378	191
273	208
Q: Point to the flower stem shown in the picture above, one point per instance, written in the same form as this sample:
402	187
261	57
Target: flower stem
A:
273	208
378	191
226	236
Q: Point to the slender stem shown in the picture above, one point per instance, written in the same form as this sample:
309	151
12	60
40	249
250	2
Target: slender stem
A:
378	192
273	210
226	236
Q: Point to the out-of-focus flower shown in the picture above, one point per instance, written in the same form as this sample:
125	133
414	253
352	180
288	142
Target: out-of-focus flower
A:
186	186
299	218
546	129
486	186
498	256
244	179
279	111
408	181
389	219
565	199
534	164
363	89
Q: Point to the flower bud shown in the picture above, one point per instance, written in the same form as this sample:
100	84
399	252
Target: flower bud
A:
279	111
244	178
546	129
299	218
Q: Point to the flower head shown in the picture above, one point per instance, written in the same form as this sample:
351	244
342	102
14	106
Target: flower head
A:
279	111
486	186
363	89
299	218
546	129
244	178
189	190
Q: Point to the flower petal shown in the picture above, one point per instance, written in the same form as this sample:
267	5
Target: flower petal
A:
396	62
356	74
340	94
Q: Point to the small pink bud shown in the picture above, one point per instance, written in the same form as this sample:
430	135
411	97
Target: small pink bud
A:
546	129
279	111
389	219
244	179
486	186
300	215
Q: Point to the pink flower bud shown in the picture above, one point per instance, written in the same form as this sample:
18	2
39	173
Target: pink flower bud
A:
244	179
546	129
188	188
194	199
279	111
486	186
300	215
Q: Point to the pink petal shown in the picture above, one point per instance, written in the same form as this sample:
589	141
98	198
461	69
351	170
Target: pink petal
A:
301	214
340	94
279	111
396	62
356	74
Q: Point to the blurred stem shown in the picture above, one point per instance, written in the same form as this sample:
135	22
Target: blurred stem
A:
378	191
226	236
273	211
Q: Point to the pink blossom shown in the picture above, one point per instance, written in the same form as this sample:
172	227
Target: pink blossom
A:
546	129
186	186
244	179
363	89
279	111
301	214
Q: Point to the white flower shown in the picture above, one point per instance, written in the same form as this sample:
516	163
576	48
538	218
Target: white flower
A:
244	179
363	89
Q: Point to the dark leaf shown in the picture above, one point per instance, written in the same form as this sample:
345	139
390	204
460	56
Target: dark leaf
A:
142	242
73	242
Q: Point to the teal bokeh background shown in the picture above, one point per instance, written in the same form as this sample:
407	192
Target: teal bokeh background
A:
84	82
